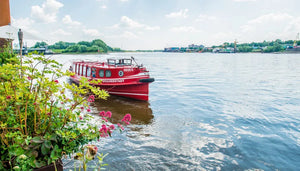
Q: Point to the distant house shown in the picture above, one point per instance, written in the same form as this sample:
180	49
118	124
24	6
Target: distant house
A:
172	49
193	46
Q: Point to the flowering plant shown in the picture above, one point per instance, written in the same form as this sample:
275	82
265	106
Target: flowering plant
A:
39	124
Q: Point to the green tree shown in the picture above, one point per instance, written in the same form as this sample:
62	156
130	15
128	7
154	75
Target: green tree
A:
82	48
88	44
40	44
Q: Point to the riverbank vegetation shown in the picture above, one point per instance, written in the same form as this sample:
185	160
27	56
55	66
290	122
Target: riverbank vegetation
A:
265	46
96	45
99	46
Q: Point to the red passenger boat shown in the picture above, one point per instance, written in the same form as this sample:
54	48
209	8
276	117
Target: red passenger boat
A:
122	77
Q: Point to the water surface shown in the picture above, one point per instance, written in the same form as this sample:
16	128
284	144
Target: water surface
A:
208	112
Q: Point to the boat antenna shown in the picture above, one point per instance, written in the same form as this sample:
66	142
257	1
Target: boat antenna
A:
134	60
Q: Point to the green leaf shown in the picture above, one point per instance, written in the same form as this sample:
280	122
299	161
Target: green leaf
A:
37	140
48	144
44	149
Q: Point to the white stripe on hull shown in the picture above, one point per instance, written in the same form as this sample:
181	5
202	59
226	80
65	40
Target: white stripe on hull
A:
135	94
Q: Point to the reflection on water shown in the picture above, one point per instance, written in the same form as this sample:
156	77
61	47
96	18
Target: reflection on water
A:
119	106
208	112
140	111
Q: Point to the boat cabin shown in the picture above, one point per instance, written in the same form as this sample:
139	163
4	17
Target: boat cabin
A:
120	62
113	68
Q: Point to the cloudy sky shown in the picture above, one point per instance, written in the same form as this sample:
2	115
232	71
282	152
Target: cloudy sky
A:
155	24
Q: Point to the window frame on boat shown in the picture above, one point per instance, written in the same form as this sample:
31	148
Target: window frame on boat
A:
88	71
101	74
120	62
106	73
80	70
94	72
84	70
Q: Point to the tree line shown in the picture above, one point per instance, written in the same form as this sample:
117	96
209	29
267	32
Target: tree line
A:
265	46
96	45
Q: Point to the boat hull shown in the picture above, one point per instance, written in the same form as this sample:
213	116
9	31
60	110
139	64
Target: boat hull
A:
134	91
138	90
117	76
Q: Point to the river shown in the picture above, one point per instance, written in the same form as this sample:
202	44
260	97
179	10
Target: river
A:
207	112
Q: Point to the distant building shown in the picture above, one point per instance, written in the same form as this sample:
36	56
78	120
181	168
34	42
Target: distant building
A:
172	49
190	48
193	46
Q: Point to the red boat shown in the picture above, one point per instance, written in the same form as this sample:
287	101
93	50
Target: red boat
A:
119	77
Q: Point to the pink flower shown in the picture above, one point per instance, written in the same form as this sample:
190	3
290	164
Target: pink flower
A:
96	148
91	98
29	78
108	114
88	110
8	97
120	126
103	118
112	127
56	81
61	102
80	117
127	118
82	108
102	113
34	103
103	131
48	113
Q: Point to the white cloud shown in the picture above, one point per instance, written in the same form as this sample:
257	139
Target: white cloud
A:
129	35
61	32
271	26
103	6
91	32
24	23
152	28
189	29
47	12
272	21
180	14
129	23
68	20
272	17
204	17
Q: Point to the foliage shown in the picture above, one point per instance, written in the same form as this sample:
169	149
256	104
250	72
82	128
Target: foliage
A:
265	46
7	57
96	45
40	44
38	123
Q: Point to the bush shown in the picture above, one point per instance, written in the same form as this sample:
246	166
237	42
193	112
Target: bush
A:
38	123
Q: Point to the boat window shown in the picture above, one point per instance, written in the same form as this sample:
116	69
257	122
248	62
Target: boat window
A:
121	73
127	61
84	71
101	73
107	73
111	62
88	71
80	69
94	72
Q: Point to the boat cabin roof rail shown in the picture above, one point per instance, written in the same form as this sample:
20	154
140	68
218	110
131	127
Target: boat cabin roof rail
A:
120	62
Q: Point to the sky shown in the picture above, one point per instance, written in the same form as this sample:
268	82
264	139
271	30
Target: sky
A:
156	24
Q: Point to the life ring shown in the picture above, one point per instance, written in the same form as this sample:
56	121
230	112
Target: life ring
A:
121	73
